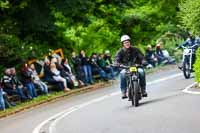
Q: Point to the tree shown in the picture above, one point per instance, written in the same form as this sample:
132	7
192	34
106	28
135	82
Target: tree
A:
190	15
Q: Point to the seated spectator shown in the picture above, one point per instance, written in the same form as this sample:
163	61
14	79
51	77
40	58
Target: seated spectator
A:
96	68
68	71
27	81
150	57
48	75
107	68
2	103
57	76
107	58
161	56
86	68
62	72
36	80
11	87
77	65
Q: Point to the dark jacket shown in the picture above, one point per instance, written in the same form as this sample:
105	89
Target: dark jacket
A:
48	75
129	56
16	81
84	60
7	82
26	76
108	60
159	53
150	54
76	61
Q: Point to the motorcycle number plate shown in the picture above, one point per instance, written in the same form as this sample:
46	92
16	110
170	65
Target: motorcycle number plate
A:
133	69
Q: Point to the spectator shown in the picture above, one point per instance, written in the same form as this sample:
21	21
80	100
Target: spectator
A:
48	75
76	61
96	68
27	80
163	56
68	71
106	67
107	58
36	80
4	99
57	76
11	87
62	72
150	57
2	103
86	68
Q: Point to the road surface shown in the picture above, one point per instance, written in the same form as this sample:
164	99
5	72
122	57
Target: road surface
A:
166	110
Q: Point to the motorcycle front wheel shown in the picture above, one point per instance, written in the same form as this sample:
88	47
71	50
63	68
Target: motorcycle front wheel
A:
135	94
186	70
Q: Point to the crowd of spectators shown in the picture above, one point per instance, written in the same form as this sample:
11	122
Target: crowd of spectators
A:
64	74
157	56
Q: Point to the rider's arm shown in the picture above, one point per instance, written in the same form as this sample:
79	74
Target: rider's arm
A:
185	43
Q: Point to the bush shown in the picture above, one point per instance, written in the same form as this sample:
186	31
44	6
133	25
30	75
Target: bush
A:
197	66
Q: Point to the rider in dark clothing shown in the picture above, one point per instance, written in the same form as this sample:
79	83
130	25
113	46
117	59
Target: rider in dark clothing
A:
191	41
129	55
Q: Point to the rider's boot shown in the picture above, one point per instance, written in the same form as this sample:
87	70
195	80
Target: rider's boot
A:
124	96
144	93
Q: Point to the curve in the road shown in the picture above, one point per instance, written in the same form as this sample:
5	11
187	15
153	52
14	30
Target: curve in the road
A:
57	117
186	90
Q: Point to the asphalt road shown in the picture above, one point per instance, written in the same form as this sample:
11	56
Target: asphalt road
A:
166	110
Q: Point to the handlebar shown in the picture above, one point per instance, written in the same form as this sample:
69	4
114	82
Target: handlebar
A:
125	66
186	47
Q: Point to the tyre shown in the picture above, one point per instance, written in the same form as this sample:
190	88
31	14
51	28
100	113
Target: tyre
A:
186	69
136	95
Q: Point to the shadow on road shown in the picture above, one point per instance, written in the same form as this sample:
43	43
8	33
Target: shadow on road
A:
161	99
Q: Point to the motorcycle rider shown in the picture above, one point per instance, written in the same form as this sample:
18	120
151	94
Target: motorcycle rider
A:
129	55
190	41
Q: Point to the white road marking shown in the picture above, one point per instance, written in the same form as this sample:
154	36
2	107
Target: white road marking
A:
186	90
57	117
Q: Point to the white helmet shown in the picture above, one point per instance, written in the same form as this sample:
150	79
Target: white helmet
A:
125	37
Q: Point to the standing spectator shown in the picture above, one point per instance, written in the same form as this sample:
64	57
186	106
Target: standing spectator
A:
10	87
76	61
37	81
57	76
150	56
48	75
27	80
106	67
86	68
96	68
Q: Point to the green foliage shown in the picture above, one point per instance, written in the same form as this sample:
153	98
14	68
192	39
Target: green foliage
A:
197	66
190	15
29	28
